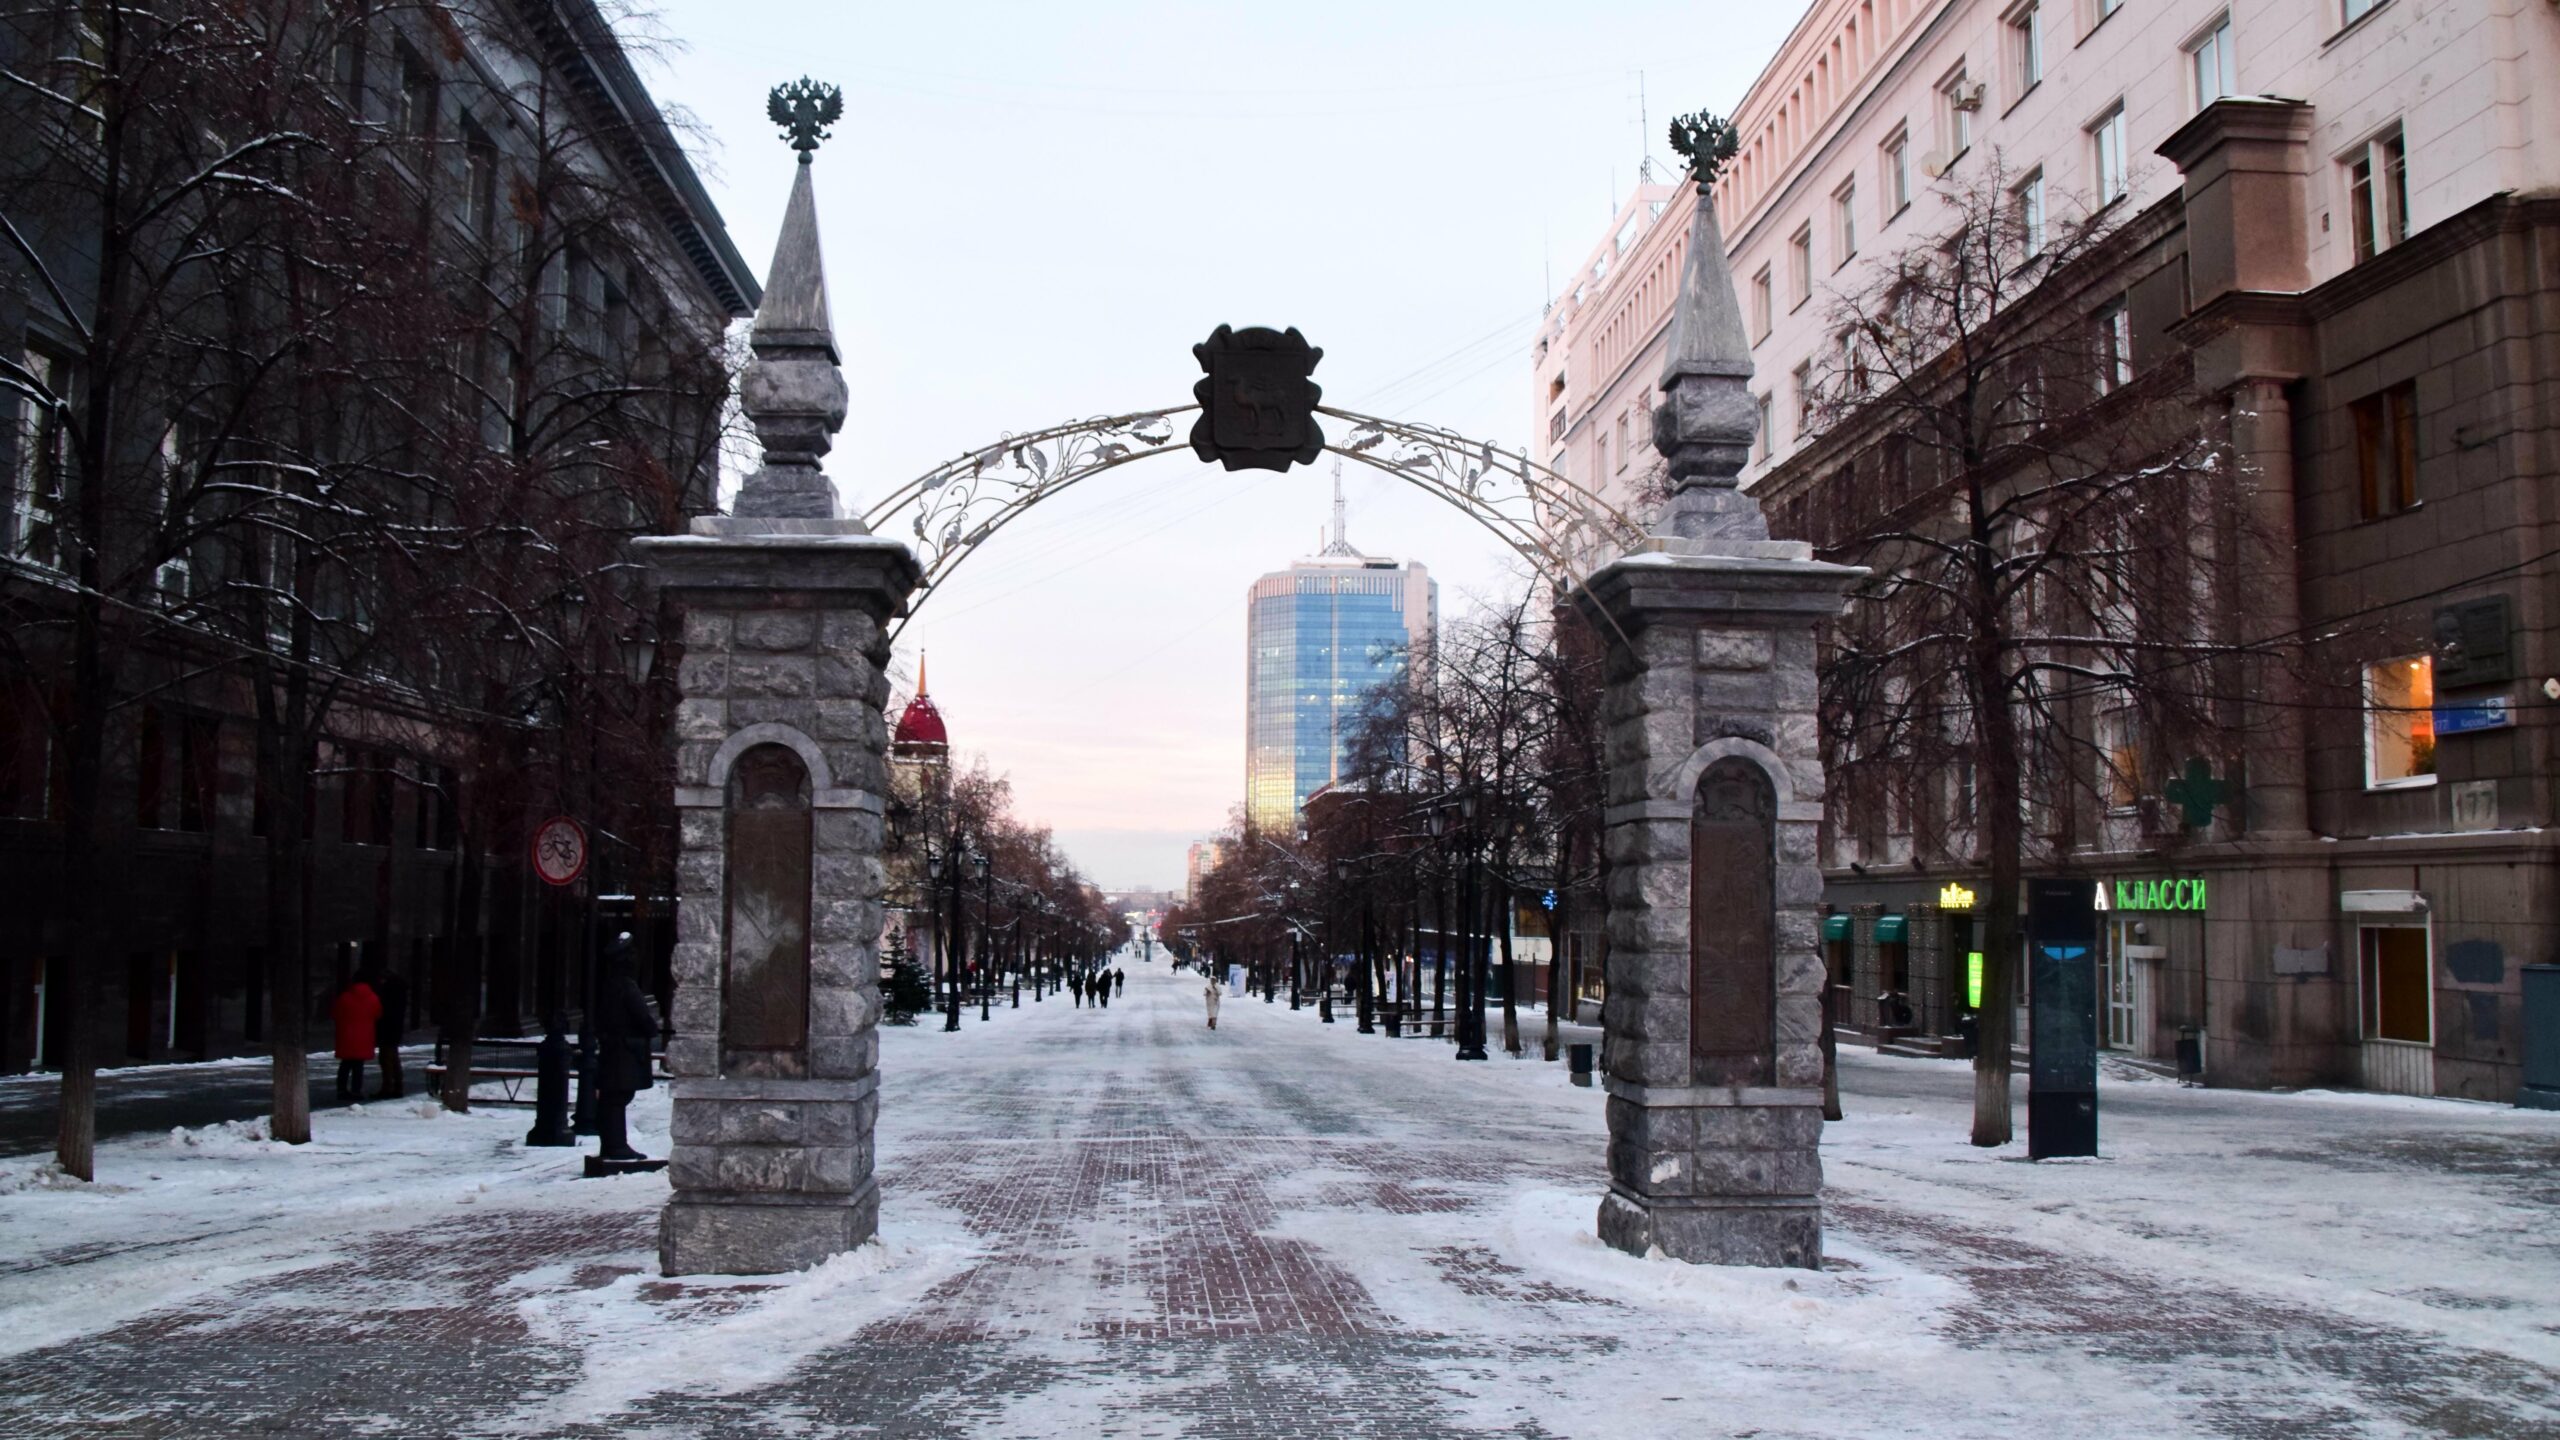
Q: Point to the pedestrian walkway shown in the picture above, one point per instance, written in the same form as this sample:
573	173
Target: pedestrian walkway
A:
1115	1222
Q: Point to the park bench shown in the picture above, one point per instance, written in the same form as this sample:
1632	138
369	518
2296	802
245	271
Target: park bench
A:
518	1067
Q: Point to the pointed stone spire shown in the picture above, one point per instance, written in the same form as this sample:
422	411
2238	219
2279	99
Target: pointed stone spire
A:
794	312
1705	424
794	393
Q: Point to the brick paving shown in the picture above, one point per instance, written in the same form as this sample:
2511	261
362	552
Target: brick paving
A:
1174	1234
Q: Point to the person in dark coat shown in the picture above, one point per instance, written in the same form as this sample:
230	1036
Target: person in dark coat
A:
389	1030
626	1031
1075	986
1119	982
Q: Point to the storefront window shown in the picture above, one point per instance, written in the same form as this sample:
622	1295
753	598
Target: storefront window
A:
2393	992
2399	722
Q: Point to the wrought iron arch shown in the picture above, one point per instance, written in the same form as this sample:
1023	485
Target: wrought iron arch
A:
1559	528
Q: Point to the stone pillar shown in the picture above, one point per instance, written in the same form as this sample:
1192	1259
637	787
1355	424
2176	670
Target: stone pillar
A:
1714	1013
781	775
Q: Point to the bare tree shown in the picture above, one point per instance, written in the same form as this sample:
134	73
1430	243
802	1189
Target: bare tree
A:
2052	535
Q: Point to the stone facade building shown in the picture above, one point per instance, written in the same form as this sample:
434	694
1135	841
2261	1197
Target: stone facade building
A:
457	109
2334	224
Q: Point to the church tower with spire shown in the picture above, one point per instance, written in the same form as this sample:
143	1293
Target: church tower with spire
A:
1320	638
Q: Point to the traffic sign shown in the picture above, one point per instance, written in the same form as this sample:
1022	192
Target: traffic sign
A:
560	851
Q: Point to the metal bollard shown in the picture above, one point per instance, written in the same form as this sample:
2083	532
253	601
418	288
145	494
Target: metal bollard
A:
551	1090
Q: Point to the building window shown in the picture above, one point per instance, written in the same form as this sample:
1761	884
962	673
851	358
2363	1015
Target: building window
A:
1800	267
2030	194
2355	10
2394	983
2026	45
479	183
417	115
2378	194
2387	450
2115	347
36	489
1897	174
2106	142
1844	223
1622	439
1957	101
1804	399
2119	761
1765	441
1763	304
2399	723
2213	64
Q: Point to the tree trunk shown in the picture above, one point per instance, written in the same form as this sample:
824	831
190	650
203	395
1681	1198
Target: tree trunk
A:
1830	1058
1510	990
1998	765
288	990
460	1020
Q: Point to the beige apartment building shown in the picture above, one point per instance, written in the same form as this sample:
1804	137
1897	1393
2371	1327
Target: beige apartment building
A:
2342	219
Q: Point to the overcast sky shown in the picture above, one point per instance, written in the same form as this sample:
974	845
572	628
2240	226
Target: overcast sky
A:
1033	211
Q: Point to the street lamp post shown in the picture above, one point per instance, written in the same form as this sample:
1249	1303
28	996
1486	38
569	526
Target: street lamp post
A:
986	928
1471	976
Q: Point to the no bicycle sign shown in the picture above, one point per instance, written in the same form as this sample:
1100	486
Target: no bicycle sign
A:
560	850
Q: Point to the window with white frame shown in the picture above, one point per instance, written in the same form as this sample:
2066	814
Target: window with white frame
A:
2026	45
2378	193
2106	146
1764	441
2351	11
2030	202
1956	103
2213	66
43	460
1800	267
1763	304
1897	173
2399	723
1844	223
2114	344
1622	439
1804	399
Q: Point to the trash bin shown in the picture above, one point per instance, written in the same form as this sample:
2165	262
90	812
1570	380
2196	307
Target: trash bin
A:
1577	1059
1969	1031
2541	1087
2191	1054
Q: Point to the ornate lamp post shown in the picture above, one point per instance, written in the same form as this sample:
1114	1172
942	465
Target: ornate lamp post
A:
1471	974
985	867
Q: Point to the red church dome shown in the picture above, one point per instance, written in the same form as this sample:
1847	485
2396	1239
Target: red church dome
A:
920	724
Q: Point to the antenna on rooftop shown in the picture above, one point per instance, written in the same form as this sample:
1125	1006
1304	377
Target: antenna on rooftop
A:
1644	135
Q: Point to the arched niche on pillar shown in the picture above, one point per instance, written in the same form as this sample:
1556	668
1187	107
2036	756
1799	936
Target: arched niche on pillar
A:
764	979
1733	932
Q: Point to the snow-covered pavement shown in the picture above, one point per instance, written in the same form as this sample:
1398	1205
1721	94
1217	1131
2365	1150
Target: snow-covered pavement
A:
1119	1223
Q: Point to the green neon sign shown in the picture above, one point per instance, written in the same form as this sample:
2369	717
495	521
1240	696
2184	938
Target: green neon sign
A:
2158	895
1973	980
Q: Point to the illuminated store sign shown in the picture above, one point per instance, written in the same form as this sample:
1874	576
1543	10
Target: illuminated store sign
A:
2161	894
1973	980
1952	896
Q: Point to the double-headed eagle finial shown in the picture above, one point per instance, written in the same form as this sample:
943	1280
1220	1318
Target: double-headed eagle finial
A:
804	109
1706	140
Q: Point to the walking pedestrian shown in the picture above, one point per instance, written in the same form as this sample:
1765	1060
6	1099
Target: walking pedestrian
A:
1119	982
357	1010
1075	986
626	1030
390	1030
1212	993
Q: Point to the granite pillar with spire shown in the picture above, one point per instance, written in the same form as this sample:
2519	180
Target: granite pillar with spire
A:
781	775
1715	792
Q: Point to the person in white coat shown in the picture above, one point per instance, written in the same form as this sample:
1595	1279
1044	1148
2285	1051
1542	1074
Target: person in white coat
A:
1212	993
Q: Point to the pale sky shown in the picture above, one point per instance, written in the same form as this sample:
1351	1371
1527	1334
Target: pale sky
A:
1031	213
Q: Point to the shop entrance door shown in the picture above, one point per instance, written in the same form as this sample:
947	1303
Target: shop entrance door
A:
2395	1002
2125	1011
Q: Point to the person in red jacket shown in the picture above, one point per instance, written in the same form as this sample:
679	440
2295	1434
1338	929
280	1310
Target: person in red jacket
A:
356	1011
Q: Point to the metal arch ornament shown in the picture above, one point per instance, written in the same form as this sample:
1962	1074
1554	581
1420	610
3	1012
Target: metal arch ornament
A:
804	110
1562	530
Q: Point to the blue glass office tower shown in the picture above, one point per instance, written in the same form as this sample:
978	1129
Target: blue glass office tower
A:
1320	636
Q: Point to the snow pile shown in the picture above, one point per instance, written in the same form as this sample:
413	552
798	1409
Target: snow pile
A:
643	1335
234	1137
38	1175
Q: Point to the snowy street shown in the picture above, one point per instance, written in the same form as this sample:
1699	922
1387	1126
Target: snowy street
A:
1118	1223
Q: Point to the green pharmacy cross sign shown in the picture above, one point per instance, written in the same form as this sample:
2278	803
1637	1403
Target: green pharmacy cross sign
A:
2197	794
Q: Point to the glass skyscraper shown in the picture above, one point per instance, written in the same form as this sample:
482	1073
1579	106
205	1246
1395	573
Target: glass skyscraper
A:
1320	636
